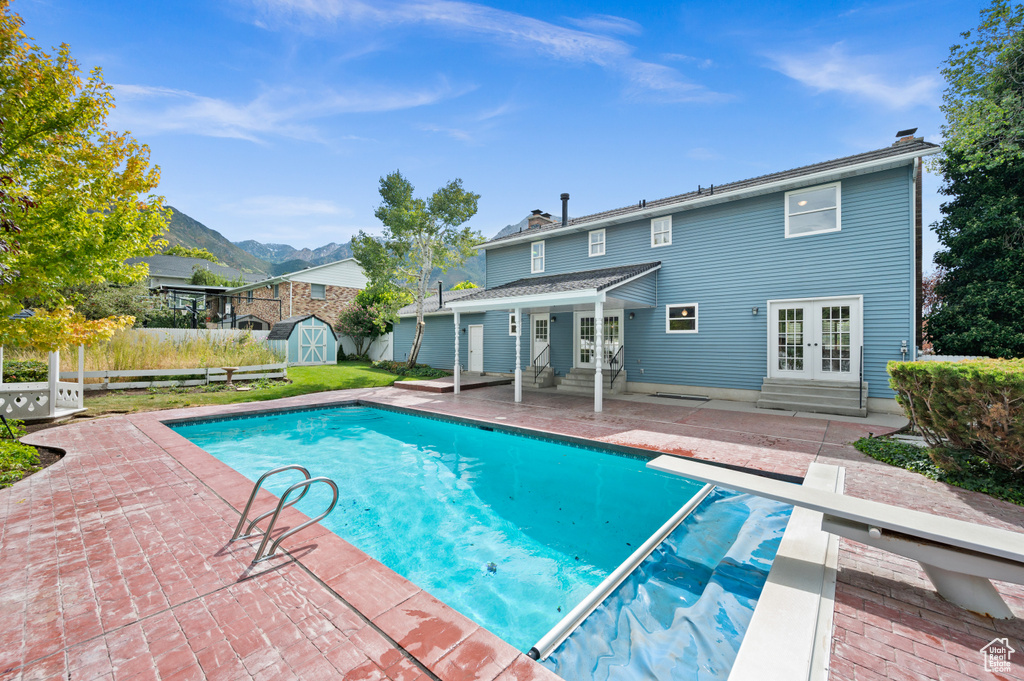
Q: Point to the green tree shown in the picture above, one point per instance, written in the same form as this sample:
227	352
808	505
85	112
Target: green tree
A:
87	206
463	285
418	236
979	301
197	252
204	277
99	301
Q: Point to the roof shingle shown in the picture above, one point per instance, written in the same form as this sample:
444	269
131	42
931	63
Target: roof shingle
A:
562	283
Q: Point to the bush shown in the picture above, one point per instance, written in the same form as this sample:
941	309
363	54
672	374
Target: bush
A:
25	371
16	461
418	371
970	472
974	405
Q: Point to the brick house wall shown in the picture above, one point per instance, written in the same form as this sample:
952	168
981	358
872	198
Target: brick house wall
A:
299	302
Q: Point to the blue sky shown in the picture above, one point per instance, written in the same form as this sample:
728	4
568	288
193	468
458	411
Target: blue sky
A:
274	119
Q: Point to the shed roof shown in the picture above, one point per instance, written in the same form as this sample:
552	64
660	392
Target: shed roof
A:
430	304
587	280
282	330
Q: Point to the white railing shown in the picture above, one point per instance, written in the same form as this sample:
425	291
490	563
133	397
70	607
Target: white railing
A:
202	376
945	358
69	395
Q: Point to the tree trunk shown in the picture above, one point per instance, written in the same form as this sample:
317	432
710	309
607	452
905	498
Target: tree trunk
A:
420	324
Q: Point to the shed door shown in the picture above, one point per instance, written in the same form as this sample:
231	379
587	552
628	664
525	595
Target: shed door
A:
312	344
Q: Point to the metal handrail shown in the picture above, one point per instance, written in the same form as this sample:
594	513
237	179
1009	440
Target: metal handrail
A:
860	383
616	359
252	497
574	619
537	366
281	505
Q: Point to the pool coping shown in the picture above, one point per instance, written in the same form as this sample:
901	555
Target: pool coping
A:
325	570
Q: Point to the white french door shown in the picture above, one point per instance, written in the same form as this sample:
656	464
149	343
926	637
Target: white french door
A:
585	345
815	339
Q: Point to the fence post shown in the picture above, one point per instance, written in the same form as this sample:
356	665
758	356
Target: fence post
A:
81	376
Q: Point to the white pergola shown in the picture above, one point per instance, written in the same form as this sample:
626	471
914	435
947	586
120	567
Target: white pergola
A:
597	290
41	401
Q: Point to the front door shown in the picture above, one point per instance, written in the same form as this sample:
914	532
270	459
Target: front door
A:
476	348
586	335
540	331
815	339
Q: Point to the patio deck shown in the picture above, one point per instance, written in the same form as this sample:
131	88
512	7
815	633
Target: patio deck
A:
116	562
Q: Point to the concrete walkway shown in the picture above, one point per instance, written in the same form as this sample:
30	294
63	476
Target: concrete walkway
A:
116	562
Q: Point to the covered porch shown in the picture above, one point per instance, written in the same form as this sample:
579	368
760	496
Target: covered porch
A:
595	302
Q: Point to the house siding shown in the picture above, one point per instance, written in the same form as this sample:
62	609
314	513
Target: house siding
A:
295	299
729	258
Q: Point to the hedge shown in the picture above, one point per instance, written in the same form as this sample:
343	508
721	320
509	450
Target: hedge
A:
16	460
26	371
975	405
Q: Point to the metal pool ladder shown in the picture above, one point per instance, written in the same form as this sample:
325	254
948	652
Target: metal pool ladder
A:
283	503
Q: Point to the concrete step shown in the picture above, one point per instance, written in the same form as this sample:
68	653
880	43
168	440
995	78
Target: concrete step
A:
811	407
588	390
850	389
819	397
823	400
606	379
545	379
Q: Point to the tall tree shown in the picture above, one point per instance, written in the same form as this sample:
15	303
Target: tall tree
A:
980	298
418	236
76	198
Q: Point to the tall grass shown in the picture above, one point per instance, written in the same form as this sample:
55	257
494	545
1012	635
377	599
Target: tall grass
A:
130	350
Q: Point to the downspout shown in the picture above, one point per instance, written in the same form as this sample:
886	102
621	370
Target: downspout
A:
918	258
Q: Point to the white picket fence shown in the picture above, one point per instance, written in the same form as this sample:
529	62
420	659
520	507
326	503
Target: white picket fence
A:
945	358
192	334
381	348
203	376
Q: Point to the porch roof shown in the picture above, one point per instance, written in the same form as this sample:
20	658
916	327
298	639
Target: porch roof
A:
583	287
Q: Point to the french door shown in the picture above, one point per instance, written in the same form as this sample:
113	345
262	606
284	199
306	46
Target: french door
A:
585	343
815	339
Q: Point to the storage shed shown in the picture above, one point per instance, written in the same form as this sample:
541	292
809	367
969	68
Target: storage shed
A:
304	339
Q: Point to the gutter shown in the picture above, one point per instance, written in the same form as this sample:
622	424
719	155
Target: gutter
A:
711	199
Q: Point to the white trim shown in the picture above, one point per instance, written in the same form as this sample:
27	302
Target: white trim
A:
534	258
772	348
722	197
513	324
661	218
838	209
584	296
591	244
913	260
546	316
696	317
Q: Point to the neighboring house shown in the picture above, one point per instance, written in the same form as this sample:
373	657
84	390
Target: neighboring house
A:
322	291
781	289
175	271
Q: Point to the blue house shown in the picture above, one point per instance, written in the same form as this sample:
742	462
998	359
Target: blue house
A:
792	290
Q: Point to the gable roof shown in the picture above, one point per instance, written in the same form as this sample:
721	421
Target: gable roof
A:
180	267
587	280
282	330
430	304
900	153
258	283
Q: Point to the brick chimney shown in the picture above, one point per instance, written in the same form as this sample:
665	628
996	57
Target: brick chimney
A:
538	218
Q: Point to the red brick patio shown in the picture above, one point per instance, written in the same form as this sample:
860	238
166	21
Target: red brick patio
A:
116	562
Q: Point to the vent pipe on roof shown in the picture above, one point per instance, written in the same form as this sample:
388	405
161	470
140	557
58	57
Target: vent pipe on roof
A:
565	209
440	296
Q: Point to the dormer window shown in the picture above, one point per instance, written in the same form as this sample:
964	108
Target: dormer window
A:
536	257
813	211
661	231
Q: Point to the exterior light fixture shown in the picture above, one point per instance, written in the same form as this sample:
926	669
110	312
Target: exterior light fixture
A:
754	310
632	315
463	330
554	319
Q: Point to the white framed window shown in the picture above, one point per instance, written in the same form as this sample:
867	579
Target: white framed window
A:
815	210
318	291
596	242
661	231
681	318
536	257
511	323
248	295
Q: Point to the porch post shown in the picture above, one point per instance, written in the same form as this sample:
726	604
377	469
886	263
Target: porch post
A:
457	368
519	370
54	376
81	376
598	355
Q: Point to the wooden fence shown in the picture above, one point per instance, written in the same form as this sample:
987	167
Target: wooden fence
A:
211	334
203	376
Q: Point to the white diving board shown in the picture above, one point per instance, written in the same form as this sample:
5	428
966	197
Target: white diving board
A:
959	557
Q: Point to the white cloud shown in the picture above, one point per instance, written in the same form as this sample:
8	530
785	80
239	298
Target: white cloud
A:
283	207
834	70
281	112
704	154
607	23
510	28
700	63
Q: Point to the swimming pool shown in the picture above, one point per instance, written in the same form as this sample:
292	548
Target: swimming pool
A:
512	531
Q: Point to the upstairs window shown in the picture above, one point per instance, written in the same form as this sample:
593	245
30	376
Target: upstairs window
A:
681	318
318	291
813	211
661	231
536	257
277	291
597	242
248	295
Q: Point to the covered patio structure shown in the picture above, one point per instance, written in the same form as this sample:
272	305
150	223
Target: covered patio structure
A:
588	295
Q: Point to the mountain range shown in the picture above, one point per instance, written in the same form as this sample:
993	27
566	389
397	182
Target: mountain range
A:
277	259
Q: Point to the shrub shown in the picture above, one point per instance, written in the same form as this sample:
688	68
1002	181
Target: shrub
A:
25	371
974	405
16	461
418	371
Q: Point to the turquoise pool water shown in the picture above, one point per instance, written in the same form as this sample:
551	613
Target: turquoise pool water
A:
512	531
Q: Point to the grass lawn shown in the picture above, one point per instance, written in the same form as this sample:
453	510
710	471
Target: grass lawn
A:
303	380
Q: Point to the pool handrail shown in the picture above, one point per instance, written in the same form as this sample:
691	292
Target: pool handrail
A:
252	497
561	631
281	505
